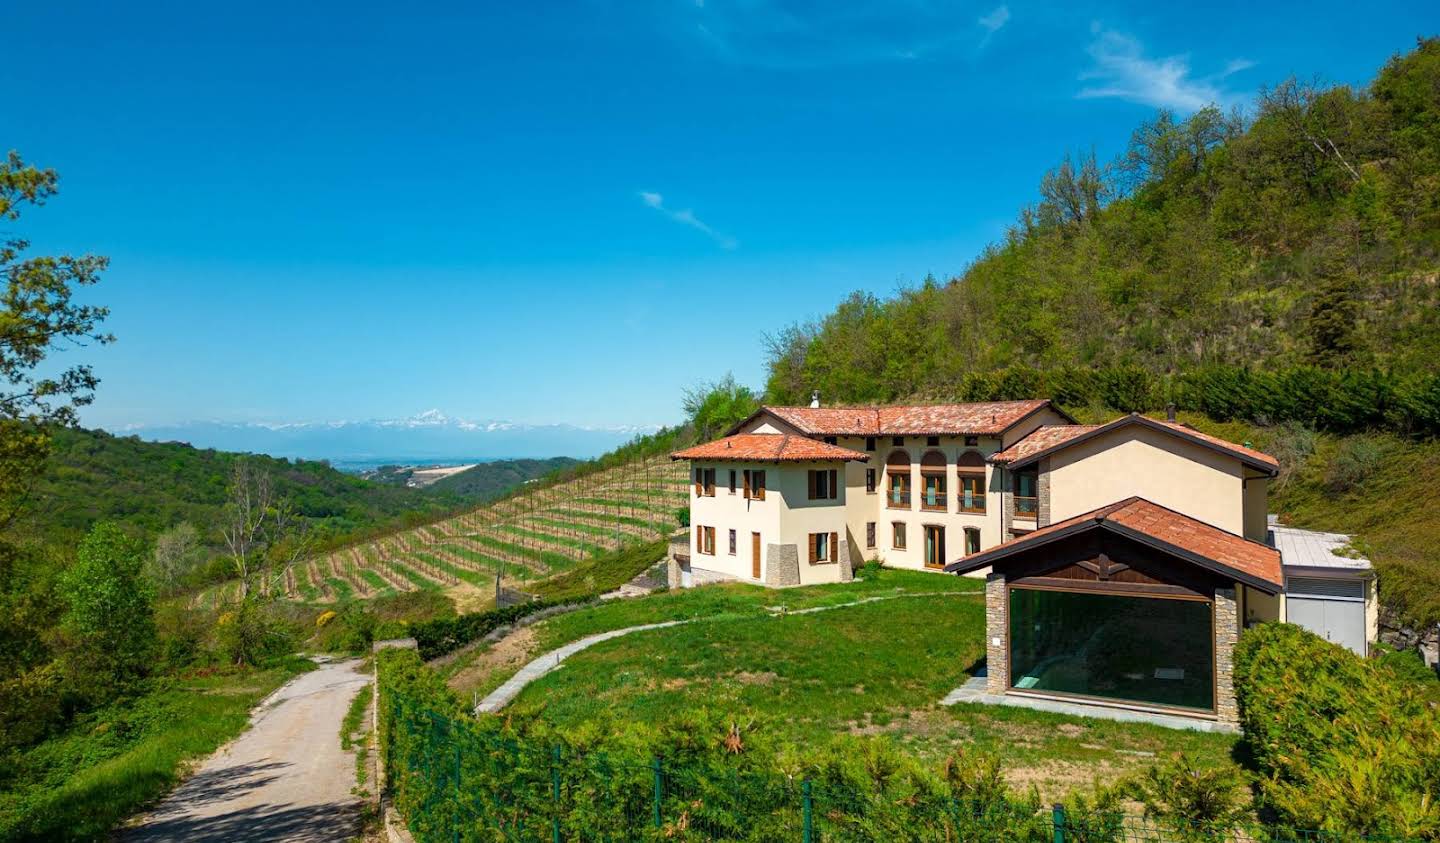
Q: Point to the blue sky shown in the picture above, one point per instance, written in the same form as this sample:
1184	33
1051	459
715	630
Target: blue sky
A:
550	212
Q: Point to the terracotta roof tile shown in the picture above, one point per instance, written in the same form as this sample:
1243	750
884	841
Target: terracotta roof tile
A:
974	419
1041	439
1256	456
1233	552
1050	438
768	447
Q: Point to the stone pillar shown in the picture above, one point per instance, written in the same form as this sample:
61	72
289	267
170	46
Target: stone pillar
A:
847	570
1042	495
782	564
997	629
1006	509
1227	633
672	574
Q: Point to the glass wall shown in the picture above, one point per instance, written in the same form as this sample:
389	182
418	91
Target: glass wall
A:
1136	649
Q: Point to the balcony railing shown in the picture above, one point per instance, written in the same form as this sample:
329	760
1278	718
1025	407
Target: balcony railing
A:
897	500
972	503
1026	507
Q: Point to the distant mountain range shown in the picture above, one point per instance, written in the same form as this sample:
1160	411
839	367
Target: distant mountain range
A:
430	436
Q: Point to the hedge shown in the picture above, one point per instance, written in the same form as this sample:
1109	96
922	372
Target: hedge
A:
1334	400
446	635
1342	743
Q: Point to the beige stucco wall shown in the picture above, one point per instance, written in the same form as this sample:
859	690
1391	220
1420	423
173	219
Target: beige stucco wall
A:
866	507
726	511
1257	503
1134	460
800	516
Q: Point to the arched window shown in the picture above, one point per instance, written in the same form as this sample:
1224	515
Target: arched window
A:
897	473
932	480
971	495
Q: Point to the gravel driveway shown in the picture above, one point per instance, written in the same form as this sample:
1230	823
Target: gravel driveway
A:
286	778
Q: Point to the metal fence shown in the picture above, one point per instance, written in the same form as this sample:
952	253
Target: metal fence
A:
455	781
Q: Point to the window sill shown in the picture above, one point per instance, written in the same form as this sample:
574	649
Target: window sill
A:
971	511
925	507
826	562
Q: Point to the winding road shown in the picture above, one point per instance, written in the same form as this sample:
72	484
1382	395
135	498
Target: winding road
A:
286	778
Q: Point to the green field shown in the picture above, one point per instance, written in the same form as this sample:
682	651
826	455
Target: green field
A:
877	668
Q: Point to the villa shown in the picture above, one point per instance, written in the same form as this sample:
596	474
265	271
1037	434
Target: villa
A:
1121	560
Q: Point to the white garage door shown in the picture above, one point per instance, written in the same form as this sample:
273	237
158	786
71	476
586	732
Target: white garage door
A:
1332	609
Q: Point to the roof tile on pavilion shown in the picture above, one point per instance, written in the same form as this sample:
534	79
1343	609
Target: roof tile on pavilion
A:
768	447
1153	524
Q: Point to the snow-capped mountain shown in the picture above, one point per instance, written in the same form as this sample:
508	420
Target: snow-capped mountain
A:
427	436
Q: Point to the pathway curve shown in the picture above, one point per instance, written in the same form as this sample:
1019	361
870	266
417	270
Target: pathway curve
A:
286	778
501	696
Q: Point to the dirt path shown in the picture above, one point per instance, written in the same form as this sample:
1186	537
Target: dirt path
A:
286	778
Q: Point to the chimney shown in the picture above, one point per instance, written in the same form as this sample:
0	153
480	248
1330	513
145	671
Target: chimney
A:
1170	411
815	399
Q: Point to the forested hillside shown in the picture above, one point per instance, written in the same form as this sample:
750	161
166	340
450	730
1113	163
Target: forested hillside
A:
151	487
1304	235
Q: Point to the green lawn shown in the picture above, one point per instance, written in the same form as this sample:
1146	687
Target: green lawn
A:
108	765
879	668
480	671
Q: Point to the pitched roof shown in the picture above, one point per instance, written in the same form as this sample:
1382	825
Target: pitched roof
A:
1209	546
1048	439
974	419
1041	440
768	447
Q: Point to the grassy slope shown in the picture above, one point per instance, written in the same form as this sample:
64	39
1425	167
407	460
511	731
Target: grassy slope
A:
877	668
82	782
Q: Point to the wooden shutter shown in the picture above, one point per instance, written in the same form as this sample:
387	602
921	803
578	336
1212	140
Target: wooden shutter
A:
814	549
834	491
699	539
759	480
810	477
699	482
834	547
747	482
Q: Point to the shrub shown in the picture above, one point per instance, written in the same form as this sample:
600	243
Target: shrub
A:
682	516
1405	665
1354	462
446	635
1197	803
1341	745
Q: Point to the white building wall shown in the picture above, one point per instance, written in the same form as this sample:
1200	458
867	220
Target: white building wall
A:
726	511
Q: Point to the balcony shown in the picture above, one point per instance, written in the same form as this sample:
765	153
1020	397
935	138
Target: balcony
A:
897	500
932	502
1026	507
973	504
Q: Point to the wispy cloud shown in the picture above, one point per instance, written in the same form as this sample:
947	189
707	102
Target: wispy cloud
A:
1121	69
687	217
992	22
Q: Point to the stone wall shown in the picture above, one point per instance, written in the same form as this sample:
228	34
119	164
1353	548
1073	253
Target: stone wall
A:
1042	495
1227	633
847	568
782	564
997	656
